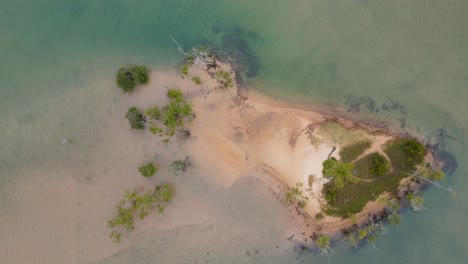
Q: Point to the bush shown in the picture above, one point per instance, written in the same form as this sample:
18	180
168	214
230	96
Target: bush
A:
379	165
295	195
153	113
405	153
175	94
351	152
179	166
339	171
142	205
323	242
225	78
164	194
128	77
135	118
140	74
165	121
185	69
125	80
148	170
197	80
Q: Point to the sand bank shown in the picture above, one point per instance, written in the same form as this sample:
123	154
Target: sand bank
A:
234	136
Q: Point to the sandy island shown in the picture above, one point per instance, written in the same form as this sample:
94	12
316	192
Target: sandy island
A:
233	136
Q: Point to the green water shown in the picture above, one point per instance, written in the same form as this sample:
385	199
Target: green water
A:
399	62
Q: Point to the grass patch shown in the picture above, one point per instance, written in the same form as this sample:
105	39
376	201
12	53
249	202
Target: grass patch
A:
351	152
372	170
197	80
353	198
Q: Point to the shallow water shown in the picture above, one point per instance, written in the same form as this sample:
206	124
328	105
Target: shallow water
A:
400	62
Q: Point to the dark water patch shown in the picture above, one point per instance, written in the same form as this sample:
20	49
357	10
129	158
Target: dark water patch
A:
236	46
391	105
354	104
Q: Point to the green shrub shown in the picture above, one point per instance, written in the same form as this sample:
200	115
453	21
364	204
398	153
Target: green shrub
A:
351	152
135	118
197	80
164	194
141	205
185	69
140	73
405	153
379	165
148	170
225	78
153	113
125	80
128	77
165	121
295	195
175	94
340	172
179	166
323	242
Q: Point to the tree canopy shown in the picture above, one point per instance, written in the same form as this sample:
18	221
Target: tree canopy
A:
165	121
339	172
128	77
148	169
135	118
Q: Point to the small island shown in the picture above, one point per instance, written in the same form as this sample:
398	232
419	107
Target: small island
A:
337	178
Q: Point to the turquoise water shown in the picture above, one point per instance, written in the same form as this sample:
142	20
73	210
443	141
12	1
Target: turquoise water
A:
399	62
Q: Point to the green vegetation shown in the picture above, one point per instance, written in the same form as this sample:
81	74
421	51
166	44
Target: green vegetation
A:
379	165
295	195
373	176
354	197
197	80
370	233
164	194
179	166
323	242
319	216
128	77
153	113
148	170
224	78
135	118
405	153
416	202
394	219
185	69
143	205
372	166
428	173
339	172
351	152
165	121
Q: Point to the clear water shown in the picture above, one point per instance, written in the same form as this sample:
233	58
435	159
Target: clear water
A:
400	62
